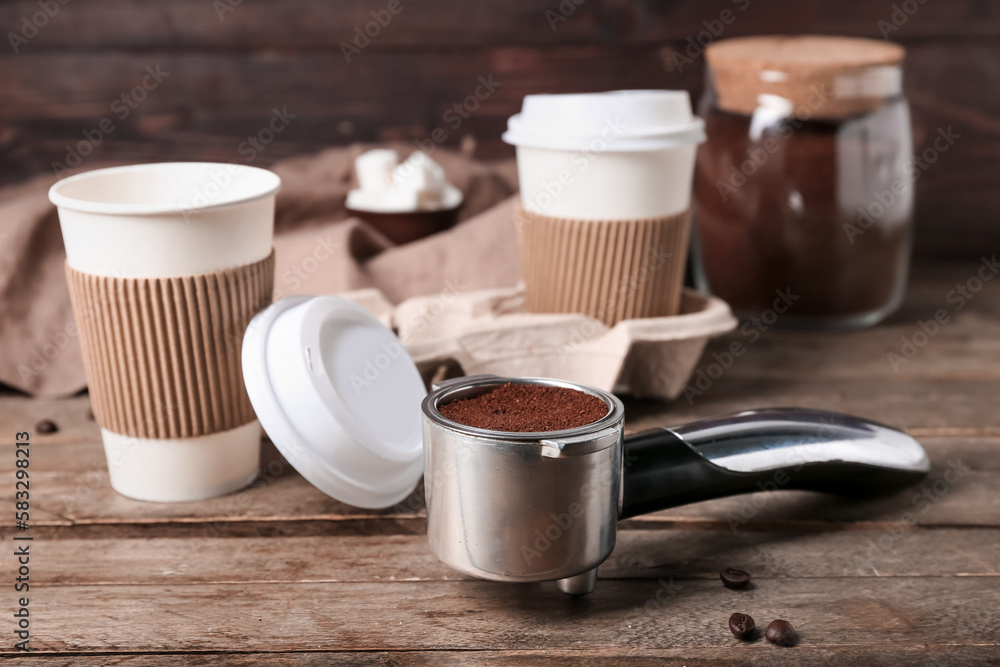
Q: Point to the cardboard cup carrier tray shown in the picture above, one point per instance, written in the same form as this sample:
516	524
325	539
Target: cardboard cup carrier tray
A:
489	331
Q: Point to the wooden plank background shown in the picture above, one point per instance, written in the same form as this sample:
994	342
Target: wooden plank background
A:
230	63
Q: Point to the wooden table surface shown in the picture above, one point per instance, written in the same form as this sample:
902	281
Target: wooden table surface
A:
280	574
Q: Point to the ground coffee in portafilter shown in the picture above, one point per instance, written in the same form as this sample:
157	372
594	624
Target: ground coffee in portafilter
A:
527	408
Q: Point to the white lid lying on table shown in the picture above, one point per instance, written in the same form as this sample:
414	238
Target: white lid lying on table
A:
338	396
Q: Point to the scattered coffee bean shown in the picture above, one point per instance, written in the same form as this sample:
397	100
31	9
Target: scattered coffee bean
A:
89	414
733	578
781	633
742	626
46	426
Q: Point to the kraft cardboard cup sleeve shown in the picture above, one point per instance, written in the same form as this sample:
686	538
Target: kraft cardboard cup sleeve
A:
611	270
164	352
166	265
605	185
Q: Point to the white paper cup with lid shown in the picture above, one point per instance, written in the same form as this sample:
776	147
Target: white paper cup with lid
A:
166	265
616	155
605	182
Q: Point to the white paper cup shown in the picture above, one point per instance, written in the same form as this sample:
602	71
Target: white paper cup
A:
605	184
620	155
169	220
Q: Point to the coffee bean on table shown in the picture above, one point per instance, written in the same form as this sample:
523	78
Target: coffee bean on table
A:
733	578
46	426
781	633
742	626
89	414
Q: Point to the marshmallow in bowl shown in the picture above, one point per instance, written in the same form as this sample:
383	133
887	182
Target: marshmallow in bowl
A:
386	185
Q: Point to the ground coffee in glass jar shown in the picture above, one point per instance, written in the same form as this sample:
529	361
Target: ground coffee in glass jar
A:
804	187
526	408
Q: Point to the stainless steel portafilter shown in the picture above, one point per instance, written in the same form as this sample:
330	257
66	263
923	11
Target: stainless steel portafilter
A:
544	506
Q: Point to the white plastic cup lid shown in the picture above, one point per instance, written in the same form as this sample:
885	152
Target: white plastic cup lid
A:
338	396
624	120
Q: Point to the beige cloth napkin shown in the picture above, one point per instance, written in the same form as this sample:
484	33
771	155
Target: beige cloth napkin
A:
319	251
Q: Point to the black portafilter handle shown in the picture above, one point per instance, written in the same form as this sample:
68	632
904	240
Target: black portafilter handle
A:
762	450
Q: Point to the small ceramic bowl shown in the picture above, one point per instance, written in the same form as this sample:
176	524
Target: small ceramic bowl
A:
406	226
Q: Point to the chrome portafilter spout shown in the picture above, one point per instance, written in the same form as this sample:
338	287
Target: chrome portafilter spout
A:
544	506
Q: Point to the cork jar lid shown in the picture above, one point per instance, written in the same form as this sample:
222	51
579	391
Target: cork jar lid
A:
813	75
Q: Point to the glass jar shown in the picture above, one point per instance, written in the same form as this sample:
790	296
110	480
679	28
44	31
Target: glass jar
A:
804	187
